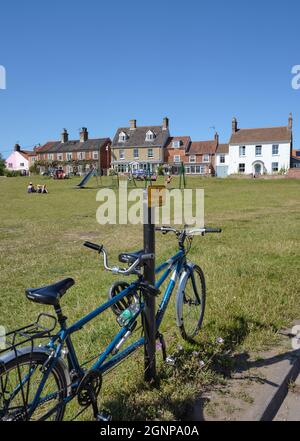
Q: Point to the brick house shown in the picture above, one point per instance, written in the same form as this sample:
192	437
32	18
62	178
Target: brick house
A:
201	157
175	153
139	147
74	156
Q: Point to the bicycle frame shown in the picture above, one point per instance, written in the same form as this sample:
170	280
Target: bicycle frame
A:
175	265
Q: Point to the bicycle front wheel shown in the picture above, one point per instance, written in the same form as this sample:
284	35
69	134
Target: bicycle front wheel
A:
20	378
191	303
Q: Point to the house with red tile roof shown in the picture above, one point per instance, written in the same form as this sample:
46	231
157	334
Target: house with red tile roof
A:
260	150
74	156
175	153
201	157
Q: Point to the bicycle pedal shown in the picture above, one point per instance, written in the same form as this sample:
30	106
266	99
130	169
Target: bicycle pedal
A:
103	416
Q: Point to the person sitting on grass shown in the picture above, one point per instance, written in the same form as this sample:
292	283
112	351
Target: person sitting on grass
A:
30	188
44	189
39	188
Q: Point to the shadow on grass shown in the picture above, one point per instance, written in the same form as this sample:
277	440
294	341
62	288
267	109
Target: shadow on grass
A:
180	393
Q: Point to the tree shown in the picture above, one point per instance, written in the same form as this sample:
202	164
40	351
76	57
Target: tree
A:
2	165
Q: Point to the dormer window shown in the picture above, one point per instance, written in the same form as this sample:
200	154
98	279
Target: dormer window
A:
176	144
150	135
122	137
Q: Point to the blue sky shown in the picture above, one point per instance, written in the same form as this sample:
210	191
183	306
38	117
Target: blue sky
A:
98	64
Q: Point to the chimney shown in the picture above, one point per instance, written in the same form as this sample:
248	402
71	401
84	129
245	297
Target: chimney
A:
234	125
217	137
132	123
165	125
290	125
64	136
84	134
17	148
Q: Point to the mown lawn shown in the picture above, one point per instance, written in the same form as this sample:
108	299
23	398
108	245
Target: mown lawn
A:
252	276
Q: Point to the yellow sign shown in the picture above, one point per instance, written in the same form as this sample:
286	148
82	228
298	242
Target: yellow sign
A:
156	195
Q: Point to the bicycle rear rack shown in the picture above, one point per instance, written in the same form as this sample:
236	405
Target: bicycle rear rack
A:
28	334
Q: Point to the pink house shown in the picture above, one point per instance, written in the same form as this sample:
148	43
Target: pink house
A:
18	160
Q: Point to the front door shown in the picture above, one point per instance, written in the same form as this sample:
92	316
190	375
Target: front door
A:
257	169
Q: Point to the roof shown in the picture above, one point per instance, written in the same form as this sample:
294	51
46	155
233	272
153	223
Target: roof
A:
296	154
136	137
185	141
25	153
269	134
71	146
223	148
202	147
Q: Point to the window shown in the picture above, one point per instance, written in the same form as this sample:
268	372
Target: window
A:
205	158
241	168
242	150
192	158
10	165
176	144
150	153
60	157
122	137
69	156
121	154
202	169
50	156
176	158
187	169
222	159
150	135
80	155
275	149
136	153
21	164
95	155
258	150
274	167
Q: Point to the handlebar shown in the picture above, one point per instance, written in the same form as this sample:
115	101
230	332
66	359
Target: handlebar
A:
116	269
192	232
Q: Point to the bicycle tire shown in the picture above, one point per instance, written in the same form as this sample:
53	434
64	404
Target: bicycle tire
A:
187	330
31	357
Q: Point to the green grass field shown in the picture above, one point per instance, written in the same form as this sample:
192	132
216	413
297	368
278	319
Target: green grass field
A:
251	269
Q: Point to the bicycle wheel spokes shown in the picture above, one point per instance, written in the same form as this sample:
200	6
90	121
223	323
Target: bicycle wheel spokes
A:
18	386
193	304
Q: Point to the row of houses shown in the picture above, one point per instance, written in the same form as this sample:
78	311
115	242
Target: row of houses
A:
248	151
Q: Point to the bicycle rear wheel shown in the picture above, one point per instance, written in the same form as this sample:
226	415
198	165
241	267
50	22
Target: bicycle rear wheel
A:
191	304
20	378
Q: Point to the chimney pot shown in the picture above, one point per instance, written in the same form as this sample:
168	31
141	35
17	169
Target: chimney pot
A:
64	136
84	134
165	123
17	148
217	137
132	123
290	125
234	125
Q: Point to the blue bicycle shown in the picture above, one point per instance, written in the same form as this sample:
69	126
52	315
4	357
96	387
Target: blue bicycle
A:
38	380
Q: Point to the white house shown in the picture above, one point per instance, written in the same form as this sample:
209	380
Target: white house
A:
18	160
262	150
222	160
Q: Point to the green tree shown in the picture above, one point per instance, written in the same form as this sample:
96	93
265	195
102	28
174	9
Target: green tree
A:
2	165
